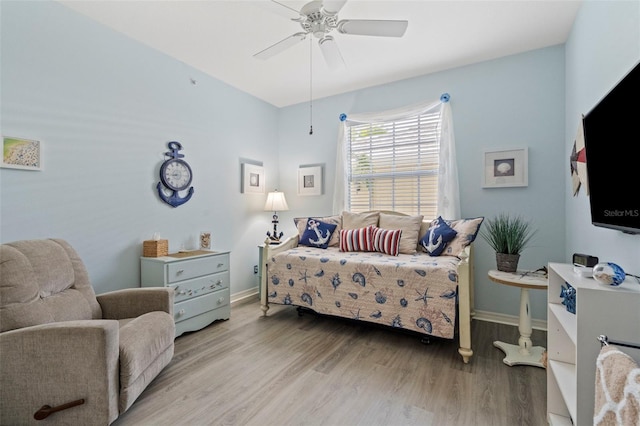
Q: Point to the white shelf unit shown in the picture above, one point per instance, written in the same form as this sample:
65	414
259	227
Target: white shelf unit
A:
572	344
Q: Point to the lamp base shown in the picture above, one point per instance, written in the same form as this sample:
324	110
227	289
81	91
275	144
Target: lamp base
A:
275	237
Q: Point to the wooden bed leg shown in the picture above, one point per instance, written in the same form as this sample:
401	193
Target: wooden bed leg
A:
465	283
264	301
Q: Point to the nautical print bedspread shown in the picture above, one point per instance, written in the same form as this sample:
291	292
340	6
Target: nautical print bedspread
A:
414	292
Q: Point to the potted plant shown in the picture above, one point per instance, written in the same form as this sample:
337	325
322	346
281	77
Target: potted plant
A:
508	236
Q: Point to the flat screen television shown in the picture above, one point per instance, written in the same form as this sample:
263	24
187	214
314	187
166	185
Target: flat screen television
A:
612	139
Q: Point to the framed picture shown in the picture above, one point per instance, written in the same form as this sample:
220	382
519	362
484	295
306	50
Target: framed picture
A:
252	179
18	153
505	168
310	180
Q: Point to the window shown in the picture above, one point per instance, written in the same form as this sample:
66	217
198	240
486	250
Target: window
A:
394	165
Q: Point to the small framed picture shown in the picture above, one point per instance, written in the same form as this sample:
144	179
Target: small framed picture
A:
18	153
310	180
252	179
505	168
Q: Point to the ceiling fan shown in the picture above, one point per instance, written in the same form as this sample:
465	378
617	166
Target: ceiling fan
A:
319	18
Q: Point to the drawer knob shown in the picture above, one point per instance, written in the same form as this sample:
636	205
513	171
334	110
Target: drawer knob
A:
221	301
179	271
220	265
181	312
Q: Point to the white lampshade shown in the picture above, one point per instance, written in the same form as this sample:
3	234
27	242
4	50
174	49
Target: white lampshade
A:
276	202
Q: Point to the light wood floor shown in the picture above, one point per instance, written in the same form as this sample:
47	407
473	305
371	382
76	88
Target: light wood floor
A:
286	369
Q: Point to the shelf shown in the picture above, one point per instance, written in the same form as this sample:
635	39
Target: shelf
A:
565	375
566	318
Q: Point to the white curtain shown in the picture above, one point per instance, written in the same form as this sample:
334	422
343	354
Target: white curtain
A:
448	190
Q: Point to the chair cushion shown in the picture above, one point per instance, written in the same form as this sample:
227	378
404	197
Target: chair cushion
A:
146	346
43	281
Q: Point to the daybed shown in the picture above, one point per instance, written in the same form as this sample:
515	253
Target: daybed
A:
379	267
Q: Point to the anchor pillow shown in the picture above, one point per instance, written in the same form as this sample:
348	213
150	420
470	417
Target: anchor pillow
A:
437	237
317	233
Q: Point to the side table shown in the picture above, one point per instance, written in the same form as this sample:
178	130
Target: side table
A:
523	353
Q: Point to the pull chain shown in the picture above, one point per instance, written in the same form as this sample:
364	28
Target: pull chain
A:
311	85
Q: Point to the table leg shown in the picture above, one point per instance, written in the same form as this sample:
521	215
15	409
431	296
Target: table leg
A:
524	352
524	326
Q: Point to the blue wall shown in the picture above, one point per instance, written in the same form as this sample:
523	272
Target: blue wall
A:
516	101
105	106
604	45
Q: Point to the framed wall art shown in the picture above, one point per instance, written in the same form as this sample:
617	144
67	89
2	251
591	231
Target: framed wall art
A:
505	168
252	179
310	180
18	153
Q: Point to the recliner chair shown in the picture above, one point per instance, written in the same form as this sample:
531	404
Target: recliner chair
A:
66	354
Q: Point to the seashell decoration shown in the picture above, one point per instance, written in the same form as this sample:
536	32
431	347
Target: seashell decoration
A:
609	273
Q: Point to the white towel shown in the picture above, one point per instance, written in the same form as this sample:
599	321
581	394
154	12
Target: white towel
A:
617	399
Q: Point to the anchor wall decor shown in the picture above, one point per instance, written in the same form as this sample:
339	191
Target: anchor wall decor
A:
175	176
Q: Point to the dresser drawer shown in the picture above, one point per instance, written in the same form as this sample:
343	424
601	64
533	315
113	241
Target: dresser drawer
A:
198	305
185	270
202	285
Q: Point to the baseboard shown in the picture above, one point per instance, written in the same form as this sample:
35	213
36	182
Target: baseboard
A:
244	295
508	319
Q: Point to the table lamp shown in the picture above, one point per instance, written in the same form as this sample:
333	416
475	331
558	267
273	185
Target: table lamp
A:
275	203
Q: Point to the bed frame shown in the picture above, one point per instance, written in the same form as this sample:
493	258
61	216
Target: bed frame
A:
465	290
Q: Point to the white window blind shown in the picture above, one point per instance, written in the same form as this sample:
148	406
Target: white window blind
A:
393	165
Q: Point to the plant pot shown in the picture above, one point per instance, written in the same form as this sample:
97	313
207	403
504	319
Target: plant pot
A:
507	262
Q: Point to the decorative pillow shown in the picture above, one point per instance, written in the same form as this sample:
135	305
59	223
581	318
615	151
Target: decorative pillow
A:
436	238
387	241
410	226
317	234
359	220
467	230
360	239
301	224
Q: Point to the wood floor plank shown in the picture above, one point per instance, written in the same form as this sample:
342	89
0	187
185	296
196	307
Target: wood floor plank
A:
287	369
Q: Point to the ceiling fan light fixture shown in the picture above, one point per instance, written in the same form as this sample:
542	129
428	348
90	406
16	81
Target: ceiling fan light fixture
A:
319	18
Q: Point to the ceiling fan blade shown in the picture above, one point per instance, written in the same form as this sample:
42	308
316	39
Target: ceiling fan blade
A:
332	7
373	27
280	46
331	53
278	8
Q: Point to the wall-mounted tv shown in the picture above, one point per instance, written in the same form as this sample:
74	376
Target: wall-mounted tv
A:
612	139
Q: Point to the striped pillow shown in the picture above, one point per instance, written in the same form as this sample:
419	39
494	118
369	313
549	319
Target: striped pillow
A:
360	239
387	241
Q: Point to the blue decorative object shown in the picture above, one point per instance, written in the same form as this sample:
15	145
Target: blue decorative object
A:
317	233
437	237
175	176
609	273
568	295
445	97
343	117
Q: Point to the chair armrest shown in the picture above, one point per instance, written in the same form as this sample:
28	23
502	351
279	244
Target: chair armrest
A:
53	364
133	302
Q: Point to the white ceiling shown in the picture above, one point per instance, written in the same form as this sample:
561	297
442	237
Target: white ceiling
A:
220	38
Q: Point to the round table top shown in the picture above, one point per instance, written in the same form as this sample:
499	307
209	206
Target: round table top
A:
518	279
